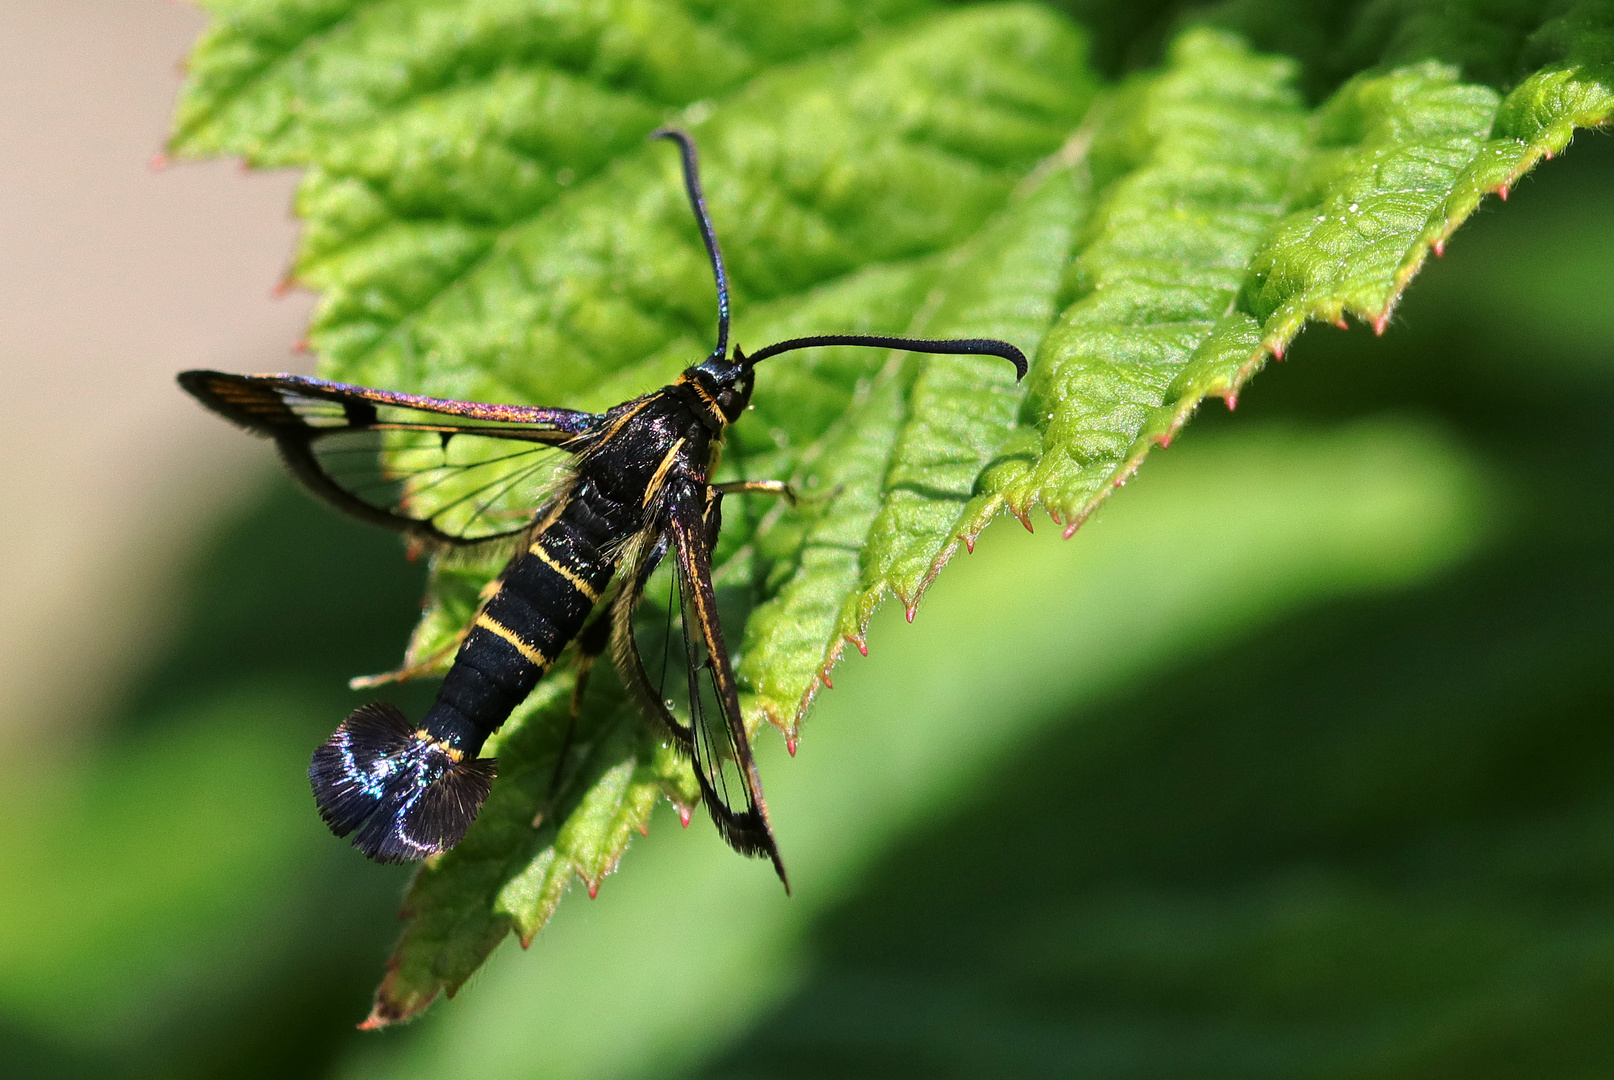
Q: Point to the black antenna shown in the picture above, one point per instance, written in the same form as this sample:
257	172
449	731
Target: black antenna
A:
692	184
953	347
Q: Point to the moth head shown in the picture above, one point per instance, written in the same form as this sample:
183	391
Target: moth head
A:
727	381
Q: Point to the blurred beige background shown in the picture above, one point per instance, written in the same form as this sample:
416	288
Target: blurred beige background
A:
113	276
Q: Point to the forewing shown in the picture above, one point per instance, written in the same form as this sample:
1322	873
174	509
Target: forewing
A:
719	746
452	472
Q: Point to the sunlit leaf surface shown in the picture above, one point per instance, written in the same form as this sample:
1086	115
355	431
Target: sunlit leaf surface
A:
485	220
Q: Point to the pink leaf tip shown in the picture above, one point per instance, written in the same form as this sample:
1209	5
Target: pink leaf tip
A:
1232	400
593	889
1380	323
790	743
823	676
1440	248
1503	191
159	161
683	816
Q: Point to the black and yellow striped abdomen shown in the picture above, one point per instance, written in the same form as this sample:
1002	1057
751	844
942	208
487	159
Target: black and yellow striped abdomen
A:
542	601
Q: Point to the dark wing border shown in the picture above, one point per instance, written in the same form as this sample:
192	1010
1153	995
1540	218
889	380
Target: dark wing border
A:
748	829
262	404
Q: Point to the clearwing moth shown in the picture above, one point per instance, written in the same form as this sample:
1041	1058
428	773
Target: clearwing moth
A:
633	490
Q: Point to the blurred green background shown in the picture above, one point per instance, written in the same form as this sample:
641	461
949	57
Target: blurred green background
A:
1296	762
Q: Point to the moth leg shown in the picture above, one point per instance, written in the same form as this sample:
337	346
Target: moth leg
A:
591	644
713	512
411	671
594	640
424	667
759	487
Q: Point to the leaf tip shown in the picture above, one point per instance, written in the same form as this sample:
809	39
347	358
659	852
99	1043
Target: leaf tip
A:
385	1013
1440	248
859	643
1380	323
593	888
683	815
1503	191
159	162
790	742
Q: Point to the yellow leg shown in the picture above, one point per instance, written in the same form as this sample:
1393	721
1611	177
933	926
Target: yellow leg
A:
411	671
759	487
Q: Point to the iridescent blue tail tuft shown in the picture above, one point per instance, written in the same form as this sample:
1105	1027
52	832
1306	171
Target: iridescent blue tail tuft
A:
406	794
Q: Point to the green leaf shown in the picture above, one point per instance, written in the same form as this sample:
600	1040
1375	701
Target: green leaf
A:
486	220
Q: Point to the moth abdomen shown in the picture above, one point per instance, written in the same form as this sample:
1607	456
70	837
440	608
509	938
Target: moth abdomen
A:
406	793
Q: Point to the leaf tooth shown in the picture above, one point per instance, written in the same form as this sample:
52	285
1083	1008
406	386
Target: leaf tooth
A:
378	1018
